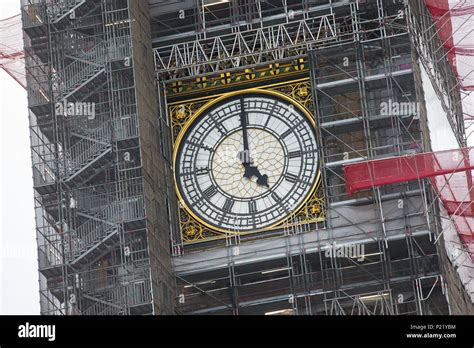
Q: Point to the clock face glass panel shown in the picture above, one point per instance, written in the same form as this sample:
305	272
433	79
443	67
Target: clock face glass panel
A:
247	162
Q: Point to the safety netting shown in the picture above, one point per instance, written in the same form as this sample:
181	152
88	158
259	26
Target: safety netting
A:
454	21
12	57
455	191
367	174
450	172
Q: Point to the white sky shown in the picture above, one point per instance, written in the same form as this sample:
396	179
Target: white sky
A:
19	293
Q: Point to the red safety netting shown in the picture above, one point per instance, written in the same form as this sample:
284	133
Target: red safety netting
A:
465	228
12	57
454	20
391	170
453	191
458	200
451	173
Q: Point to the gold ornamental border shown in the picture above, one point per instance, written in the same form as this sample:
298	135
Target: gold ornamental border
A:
190	122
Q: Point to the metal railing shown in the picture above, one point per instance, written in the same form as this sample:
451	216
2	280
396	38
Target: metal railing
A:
102	308
76	74
126	127
104	223
87	149
57	9
95	198
49	256
89	201
119	48
113	292
94	230
77	44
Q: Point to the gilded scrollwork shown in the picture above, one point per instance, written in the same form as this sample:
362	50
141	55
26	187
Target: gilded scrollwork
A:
192	230
181	114
312	212
299	91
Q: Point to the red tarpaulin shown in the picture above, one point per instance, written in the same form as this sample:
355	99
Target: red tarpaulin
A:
364	175
451	177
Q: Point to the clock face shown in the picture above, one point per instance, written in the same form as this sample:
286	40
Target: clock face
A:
246	162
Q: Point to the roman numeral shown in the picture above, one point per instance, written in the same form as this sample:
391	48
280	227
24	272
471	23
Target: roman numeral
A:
288	132
220	127
202	171
229	203
209	192
252	207
295	154
291	178
201	146
275	197
275	104
198	171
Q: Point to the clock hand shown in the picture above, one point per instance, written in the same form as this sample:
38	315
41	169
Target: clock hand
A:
251	171
244	156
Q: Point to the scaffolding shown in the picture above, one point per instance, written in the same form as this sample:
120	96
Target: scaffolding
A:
92	230
450	171
104	200
441	31
358	56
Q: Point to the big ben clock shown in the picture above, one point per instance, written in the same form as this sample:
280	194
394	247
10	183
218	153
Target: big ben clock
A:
246	161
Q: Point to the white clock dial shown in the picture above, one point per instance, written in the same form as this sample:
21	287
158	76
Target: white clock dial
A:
246	162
